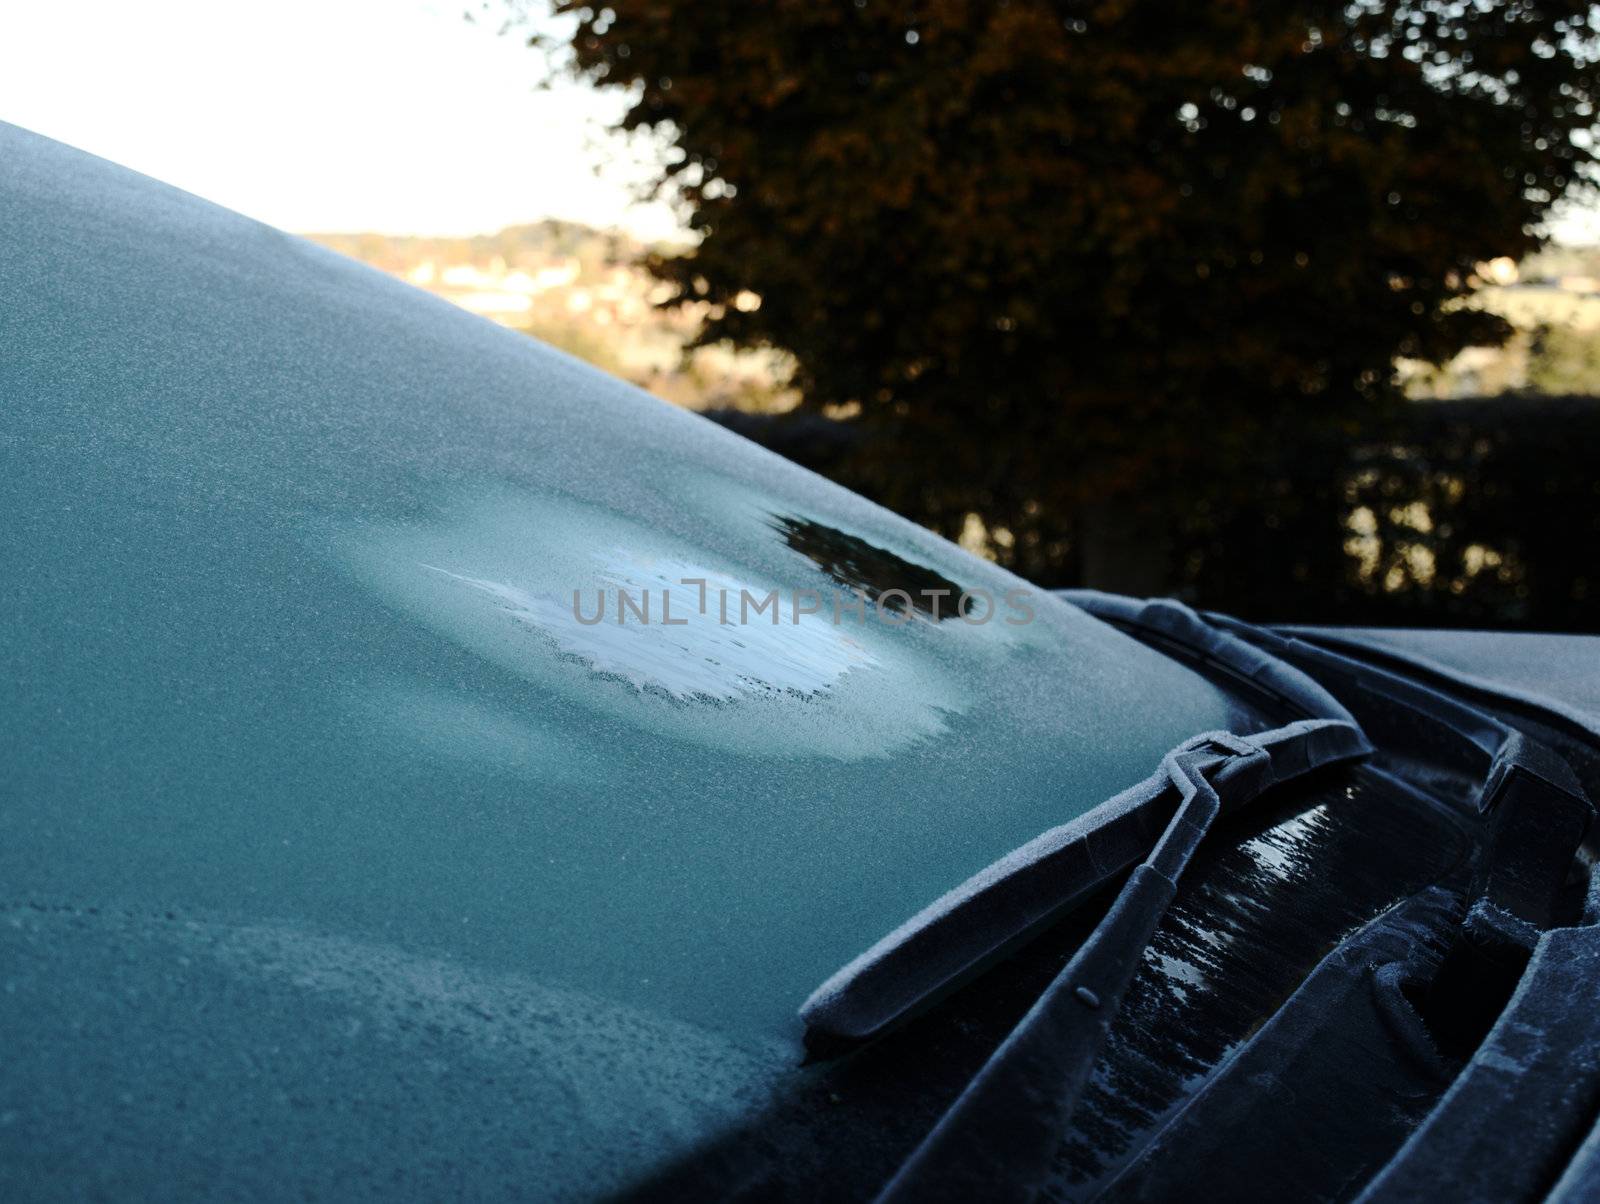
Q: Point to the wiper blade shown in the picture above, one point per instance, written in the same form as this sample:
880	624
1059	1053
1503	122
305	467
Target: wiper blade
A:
997	1141
979	920
1225	654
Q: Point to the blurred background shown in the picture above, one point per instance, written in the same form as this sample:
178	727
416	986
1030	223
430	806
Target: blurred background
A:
1290	310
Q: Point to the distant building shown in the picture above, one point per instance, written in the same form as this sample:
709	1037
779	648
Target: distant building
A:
492	303
465	275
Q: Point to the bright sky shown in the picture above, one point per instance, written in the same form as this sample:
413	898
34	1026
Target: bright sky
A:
395	116
389	115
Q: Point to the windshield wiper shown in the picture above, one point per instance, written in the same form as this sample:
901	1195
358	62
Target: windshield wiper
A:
968	928
998	1139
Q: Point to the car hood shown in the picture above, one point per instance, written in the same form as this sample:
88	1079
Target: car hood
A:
295	698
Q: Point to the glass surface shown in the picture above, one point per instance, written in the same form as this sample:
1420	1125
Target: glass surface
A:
297	719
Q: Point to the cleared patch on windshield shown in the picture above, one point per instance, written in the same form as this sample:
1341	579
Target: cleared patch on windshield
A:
626	628
883	577
719	641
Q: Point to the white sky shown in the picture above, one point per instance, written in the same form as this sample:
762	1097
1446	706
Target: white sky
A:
389	115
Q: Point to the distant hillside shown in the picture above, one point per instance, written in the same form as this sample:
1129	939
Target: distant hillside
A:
586	291
535	243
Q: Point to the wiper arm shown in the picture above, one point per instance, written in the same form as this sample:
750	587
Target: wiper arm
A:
970	926
997	1141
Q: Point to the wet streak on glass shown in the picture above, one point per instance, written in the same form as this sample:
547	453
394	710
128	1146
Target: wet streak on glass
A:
1252	919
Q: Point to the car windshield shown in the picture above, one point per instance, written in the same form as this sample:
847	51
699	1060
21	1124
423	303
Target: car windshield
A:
296	690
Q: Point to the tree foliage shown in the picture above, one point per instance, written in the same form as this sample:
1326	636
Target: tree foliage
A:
1052	252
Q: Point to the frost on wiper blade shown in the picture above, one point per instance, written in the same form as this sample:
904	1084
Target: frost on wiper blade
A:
1046	1060
968	927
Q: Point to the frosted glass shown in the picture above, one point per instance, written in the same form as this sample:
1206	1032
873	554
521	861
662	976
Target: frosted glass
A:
294	704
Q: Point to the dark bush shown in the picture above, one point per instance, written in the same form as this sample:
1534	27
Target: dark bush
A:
1480	513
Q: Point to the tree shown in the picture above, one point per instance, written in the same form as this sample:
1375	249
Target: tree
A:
1075	266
